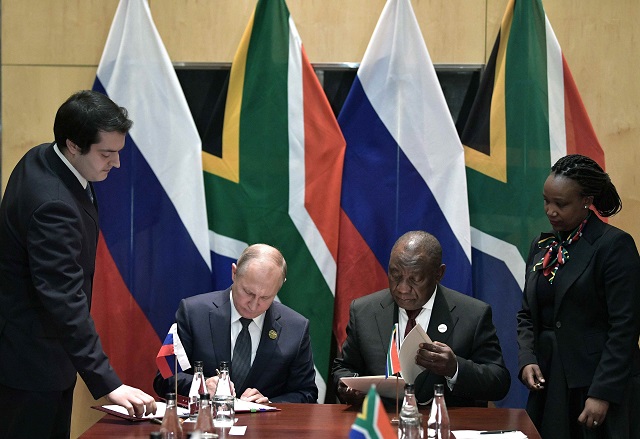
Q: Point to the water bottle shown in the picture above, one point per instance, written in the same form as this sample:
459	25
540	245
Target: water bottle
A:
410	425
171	427
197	389
438	425
204	423
223	400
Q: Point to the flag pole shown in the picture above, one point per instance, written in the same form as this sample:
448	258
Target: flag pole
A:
175	375
396	418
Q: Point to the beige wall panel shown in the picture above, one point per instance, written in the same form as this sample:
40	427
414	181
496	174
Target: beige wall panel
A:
495	11
30	98
201	30
55	31
453	29
335	30
331	30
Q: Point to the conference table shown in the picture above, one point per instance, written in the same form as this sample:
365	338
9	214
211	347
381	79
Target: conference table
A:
311	421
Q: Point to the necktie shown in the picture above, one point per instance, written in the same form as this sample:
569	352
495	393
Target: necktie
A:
89	193
241	354
412	320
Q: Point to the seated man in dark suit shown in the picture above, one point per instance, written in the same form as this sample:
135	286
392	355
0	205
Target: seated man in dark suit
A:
281	366
465	354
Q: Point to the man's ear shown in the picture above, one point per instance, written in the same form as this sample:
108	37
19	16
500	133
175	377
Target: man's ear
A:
234	268
441	271
72	147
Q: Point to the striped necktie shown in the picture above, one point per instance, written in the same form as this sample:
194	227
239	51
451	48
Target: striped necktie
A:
89	192
241	362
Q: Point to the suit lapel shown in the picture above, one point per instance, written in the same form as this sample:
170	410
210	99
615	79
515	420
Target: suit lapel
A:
269	338
442	319
441	325
386	316
72	184
220	327
580	253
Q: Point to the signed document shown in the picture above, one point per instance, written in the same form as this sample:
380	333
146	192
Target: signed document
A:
408	351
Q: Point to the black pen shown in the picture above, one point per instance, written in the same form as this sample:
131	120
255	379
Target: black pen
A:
497	431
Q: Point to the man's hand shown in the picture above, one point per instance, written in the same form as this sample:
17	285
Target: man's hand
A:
594	412
349	395
254	395
532	377
212	385
437	357
134	400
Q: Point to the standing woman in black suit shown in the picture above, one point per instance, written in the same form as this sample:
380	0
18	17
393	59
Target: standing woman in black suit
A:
579	324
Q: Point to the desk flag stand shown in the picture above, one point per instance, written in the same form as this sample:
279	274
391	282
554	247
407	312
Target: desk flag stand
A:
396	418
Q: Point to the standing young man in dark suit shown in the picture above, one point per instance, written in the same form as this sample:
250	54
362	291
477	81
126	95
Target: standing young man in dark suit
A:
465	354
48	236
280	367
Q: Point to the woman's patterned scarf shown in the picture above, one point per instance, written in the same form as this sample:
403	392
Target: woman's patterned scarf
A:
557	253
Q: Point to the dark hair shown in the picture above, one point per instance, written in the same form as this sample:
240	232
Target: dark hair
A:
593	181
84	115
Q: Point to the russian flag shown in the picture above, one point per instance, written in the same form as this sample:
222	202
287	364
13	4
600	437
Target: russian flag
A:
172	354
154	247
404	164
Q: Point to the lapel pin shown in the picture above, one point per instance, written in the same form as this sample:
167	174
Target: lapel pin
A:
273	334
442	328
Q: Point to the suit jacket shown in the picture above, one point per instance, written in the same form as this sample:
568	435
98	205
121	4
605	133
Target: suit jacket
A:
48	237
283	368
596	311
470	333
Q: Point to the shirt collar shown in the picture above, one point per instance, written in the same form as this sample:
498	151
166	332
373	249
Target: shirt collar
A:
83	181
235	315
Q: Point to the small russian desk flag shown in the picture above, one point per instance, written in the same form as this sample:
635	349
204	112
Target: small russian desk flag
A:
171	355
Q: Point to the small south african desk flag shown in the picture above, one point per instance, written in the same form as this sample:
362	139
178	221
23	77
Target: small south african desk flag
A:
373	422
393	356
172	354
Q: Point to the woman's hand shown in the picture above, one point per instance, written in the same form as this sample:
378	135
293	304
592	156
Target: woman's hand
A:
532	377
594	412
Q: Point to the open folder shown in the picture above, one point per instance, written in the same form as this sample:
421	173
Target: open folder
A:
386	387
393	387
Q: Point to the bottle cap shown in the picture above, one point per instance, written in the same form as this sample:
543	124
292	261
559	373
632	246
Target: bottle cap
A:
204	396
198	364
169	396
224	365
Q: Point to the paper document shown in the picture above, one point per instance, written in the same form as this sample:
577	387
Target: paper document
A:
408	351
242	406
122	412
481	434
387	387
